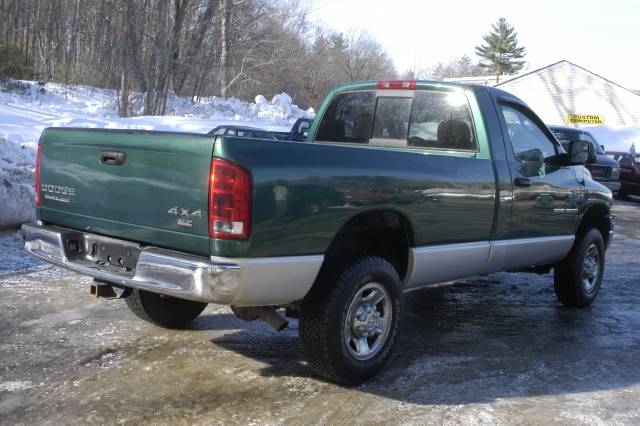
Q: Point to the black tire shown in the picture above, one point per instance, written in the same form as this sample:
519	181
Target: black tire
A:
323	320
165	311
572	290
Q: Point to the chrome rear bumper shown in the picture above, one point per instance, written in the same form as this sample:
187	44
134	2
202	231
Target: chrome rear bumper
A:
157	270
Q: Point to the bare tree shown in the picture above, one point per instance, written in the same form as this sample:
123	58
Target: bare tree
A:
225	17
149	49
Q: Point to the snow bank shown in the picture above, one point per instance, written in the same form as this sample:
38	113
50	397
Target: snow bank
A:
16	181
27	110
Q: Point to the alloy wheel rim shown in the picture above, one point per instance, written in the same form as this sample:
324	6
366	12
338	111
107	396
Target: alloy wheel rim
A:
368	321
591	266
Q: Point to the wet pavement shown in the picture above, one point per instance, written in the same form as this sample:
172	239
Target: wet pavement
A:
497	349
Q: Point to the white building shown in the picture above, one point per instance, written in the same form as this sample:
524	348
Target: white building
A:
564	93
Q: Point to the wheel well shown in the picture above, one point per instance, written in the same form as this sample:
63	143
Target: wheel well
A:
376	233
596	217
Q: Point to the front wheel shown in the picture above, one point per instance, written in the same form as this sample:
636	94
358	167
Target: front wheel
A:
348	327
578	277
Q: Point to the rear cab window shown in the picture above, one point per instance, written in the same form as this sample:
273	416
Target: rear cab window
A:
420	119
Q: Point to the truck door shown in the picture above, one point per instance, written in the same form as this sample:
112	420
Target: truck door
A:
546	198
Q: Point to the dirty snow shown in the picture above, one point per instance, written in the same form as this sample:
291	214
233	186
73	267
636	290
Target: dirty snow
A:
26	110
13	258
15	385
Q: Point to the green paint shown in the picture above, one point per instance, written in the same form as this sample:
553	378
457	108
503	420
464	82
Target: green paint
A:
303	193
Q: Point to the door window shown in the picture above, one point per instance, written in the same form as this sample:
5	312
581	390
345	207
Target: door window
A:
530	144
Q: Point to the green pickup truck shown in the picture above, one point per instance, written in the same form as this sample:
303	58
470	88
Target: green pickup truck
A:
400	184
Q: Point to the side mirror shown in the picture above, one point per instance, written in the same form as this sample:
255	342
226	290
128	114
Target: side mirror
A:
580	153
603	150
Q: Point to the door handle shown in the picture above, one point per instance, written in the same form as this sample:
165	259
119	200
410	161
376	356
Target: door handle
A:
112	158
520	181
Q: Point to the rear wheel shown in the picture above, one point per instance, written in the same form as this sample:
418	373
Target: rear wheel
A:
165	311
577	279
348	327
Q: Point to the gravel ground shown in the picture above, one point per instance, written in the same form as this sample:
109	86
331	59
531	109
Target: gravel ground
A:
486	350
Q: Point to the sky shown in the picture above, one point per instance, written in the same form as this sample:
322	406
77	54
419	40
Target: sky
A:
602	36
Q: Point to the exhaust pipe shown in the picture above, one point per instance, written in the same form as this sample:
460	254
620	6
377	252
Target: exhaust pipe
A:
103	290
267	313
274	319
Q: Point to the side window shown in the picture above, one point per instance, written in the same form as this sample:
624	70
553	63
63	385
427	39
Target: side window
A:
529	142
564	137
348	118
584	136
625	161
302	127
441	120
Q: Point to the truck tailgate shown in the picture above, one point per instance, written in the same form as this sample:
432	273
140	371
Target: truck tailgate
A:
158	194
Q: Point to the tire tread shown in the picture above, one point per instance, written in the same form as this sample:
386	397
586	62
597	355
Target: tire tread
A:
315	315
566	282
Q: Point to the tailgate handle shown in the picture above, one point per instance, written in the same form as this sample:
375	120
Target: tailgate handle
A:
112	158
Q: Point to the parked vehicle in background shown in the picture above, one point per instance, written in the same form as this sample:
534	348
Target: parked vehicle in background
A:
298	132
605	170
242	132
300	129
629	172
401	184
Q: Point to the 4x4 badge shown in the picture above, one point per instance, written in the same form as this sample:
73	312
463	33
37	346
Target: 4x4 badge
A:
185	215
179	211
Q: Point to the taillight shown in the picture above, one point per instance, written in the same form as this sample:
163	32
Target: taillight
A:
397	84
229	201
37	188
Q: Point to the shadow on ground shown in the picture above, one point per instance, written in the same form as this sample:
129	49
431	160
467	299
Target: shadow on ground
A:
483	339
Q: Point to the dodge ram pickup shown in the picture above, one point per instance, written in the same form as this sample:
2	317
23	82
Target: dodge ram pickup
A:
400	184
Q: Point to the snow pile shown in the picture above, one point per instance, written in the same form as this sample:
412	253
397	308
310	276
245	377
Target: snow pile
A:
26	109
16	181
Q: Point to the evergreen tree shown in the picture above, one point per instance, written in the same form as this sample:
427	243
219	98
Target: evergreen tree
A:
438	72
464	66
501	51
13	62
442	71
